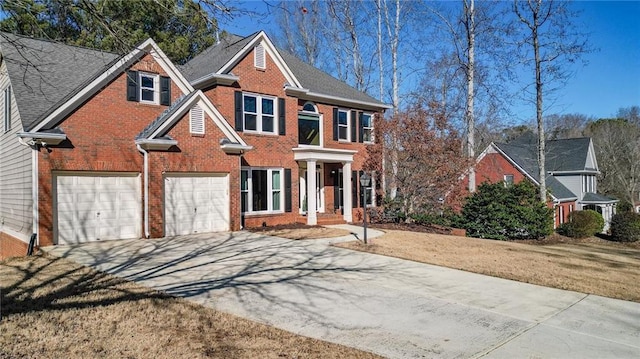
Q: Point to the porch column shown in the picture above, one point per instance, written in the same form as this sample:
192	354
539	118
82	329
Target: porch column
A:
312	218
347	206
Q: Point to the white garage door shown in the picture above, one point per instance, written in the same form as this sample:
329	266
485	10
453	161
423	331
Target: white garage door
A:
196	204
97	207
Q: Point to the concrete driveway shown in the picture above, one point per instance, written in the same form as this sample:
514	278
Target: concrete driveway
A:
393	307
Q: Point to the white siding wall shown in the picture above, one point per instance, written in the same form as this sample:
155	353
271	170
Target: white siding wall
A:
15	172
573	183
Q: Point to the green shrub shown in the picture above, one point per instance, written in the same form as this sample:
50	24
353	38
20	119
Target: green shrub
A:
583	224
625	227
513	212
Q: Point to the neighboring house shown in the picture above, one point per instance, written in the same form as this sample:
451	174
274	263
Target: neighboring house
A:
98	146
571	167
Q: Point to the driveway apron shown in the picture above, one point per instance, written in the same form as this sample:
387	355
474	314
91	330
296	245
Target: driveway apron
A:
392	307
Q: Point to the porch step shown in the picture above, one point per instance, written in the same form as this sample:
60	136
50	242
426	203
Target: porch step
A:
324	219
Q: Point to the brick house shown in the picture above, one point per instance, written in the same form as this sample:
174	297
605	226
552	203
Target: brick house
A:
98	146
571	167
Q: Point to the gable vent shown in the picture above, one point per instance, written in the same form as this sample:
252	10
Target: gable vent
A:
196	119
259	57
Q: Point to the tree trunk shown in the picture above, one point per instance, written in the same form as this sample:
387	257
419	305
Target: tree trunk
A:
541	144
470	69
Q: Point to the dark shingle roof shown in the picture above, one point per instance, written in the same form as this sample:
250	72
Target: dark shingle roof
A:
175	106
212	59
598	198
44	73
564	155
561	155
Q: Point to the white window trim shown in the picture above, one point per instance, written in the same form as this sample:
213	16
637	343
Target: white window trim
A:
373	137
270	190
348	125
258	113
320	127
156	87
7	109
507	183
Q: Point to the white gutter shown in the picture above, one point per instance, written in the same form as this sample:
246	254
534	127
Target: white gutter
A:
306	94
146	190
35	213
215	79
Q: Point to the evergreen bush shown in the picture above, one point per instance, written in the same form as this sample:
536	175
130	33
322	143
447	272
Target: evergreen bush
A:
507	212
625	227
583	224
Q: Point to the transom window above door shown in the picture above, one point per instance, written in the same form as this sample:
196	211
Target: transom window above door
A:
309	126
259	113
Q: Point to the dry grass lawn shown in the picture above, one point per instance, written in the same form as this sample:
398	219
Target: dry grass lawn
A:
53	308
302	232
593	266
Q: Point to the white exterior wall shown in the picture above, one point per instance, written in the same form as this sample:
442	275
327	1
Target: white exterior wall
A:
16	216
573	183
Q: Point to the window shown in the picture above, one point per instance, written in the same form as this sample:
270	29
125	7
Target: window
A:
343	125
367	127
148	88
259	113
196	120
309	126
589	183
261	190
508	180
259	58
7	109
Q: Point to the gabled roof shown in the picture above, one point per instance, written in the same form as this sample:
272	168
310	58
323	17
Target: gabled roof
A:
158	129
43	73
216	60
564	155
591	197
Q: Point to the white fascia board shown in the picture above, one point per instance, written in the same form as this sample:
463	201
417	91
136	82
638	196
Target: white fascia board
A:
156	144
215	79
581	172
306	94
235	148
322	154
49	138
271	50
110	74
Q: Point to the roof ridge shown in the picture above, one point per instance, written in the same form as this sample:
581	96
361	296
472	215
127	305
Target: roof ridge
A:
56	42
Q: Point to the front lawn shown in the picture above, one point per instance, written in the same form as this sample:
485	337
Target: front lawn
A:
54	308
593	266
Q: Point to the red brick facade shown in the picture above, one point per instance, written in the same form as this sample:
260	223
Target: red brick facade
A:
11	246
101	140
493	167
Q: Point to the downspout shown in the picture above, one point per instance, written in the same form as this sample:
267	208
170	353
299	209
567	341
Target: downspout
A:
34	187
146	190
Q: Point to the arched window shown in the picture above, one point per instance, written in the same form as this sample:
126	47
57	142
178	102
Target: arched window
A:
309	107
309	125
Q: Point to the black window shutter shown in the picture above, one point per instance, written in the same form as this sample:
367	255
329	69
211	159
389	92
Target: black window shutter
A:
336	190
354	189
281	117
361	127
335	124
132	86
238	105
287	190
354	126
165	90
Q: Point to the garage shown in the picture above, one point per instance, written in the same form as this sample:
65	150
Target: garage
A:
97	207
196	203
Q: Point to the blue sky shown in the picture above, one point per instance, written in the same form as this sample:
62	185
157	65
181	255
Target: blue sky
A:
609	81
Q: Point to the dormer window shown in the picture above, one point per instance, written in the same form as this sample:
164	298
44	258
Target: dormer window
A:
259	57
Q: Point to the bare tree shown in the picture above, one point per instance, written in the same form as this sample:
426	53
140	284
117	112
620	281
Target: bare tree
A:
550	43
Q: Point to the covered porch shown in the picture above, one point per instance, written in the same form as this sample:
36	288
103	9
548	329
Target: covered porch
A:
325	182
604	205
